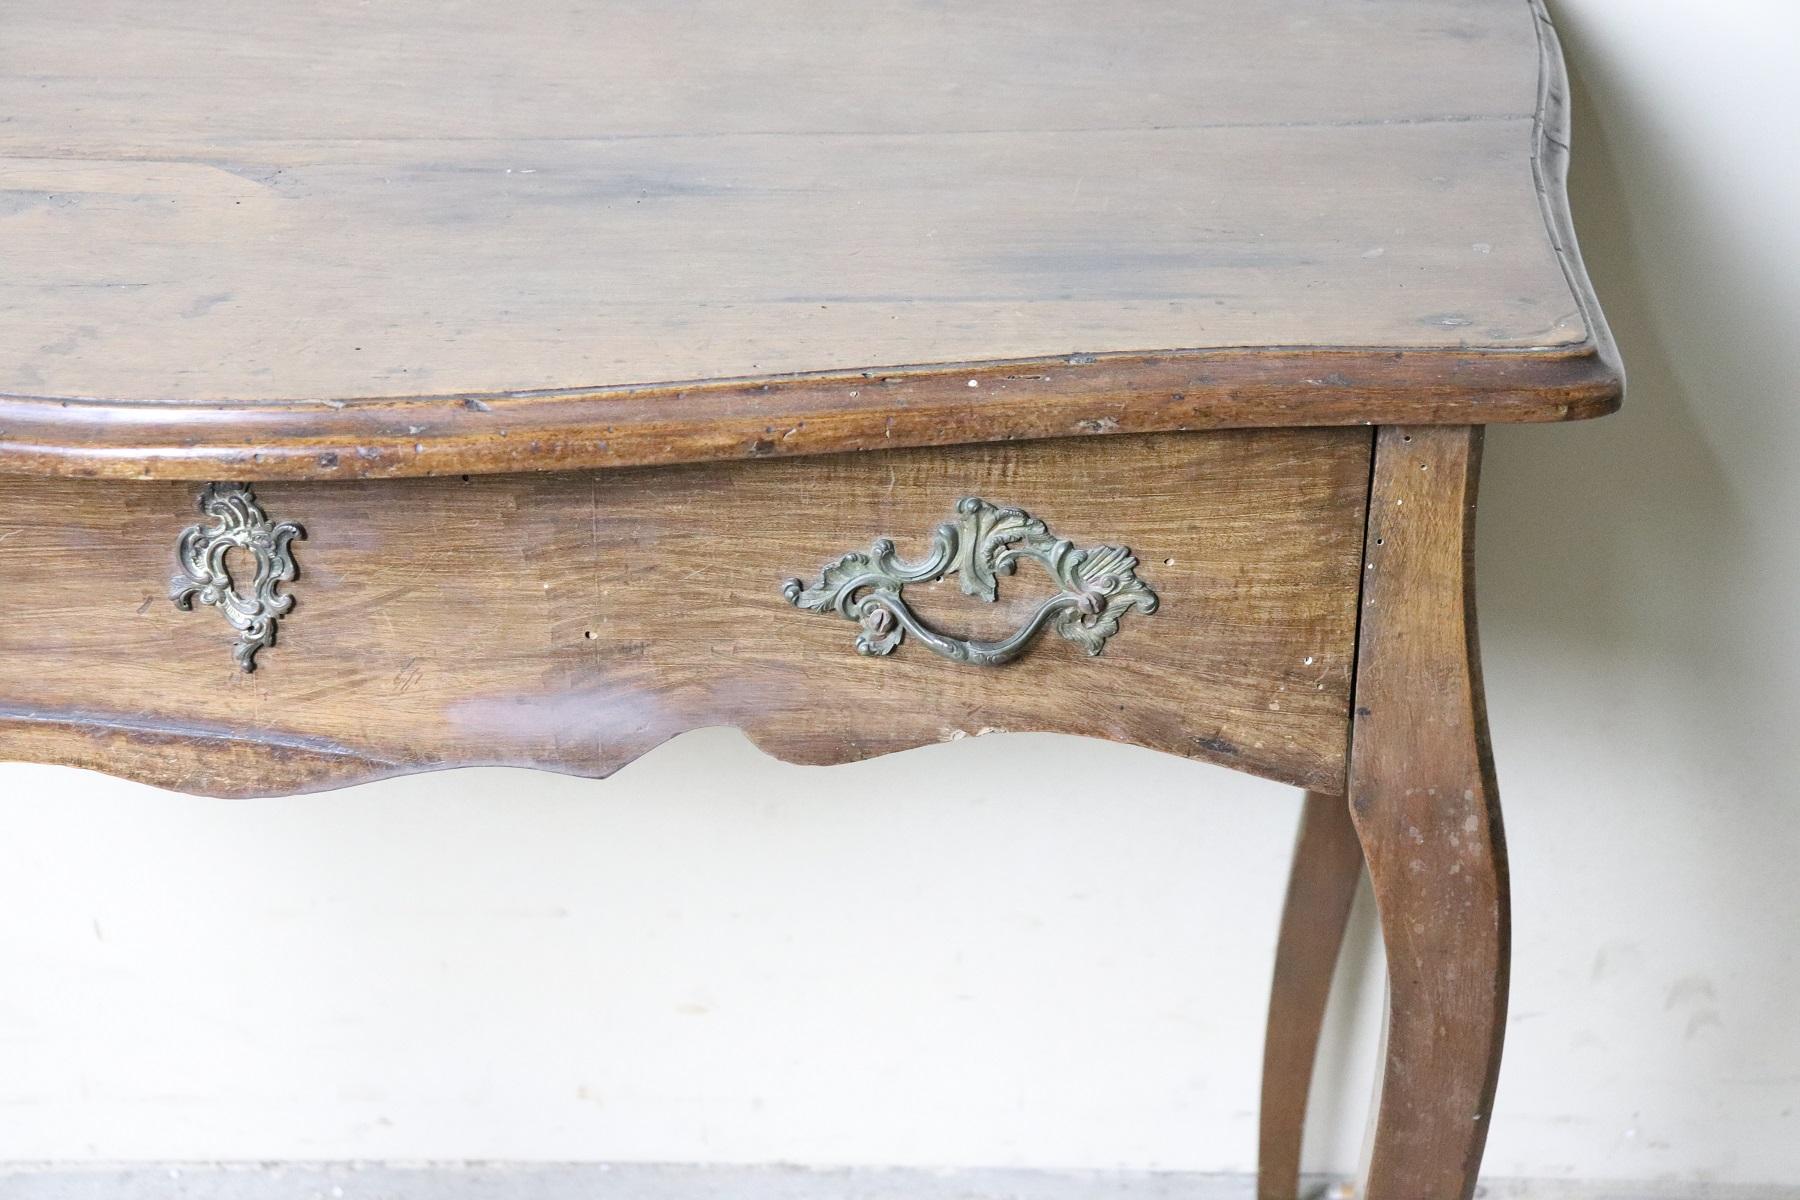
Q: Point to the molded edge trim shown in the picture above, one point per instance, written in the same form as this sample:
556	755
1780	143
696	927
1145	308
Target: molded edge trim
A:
945	404
1550	166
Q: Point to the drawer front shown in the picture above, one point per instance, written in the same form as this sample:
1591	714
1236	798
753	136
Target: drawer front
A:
574	621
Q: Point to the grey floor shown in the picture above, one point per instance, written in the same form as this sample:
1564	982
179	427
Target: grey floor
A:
594	1182
348	1181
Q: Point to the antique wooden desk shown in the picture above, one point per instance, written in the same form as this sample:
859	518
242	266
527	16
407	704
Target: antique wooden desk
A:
527	386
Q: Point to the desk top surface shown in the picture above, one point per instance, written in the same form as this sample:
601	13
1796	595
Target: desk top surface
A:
424	235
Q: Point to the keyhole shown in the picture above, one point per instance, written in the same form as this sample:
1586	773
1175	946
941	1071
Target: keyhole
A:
240	564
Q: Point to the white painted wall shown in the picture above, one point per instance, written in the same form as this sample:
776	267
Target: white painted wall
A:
1029	950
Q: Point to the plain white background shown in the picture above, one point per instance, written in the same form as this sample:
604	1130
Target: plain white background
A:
1029	950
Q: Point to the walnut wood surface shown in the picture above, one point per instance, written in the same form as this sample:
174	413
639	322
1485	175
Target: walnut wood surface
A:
573	621
1427	811
342	240
1322	883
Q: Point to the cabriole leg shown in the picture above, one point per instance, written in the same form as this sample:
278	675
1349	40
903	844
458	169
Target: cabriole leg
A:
1322	884
1423	800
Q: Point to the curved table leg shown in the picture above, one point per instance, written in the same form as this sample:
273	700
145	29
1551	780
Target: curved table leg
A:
1423	798
1327	867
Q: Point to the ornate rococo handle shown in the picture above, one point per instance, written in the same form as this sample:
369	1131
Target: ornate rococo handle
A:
1099	585
239	522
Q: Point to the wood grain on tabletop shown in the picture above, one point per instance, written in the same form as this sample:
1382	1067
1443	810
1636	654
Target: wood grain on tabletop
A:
250	239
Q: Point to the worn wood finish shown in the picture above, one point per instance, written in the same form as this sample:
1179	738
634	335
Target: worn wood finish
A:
499	308
652	426
338	240
1427	811
574	621
1321	886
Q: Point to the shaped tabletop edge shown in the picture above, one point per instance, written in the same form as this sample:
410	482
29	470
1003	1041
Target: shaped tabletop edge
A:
1076	394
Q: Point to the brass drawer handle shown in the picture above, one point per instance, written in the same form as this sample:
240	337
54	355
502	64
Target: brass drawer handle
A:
1099	585
238	522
